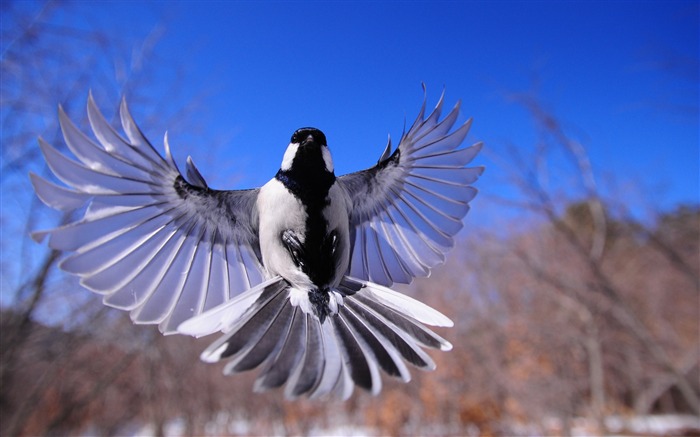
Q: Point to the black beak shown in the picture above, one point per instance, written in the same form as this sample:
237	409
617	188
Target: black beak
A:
309	140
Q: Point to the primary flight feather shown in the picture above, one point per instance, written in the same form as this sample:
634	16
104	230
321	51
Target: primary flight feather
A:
295	274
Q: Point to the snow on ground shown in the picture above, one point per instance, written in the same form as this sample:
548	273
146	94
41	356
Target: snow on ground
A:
670	424
660	425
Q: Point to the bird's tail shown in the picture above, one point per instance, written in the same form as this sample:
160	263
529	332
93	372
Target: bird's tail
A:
374	327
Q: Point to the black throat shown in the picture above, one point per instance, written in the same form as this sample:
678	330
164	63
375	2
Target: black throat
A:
307	178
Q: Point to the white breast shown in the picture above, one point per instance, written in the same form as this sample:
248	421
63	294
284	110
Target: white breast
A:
279	210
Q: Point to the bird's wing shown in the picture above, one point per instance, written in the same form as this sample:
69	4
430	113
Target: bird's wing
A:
154	243
405	211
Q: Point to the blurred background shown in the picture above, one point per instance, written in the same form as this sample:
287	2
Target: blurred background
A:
574	285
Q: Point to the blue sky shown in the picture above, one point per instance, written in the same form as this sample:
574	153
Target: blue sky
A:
621	76
354	70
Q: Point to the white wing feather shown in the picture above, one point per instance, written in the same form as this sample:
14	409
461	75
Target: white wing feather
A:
150	241
407	209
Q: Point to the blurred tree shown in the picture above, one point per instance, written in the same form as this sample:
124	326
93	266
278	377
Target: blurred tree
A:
67	363
595	305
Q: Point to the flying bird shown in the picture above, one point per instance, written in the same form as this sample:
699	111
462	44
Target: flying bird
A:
295	274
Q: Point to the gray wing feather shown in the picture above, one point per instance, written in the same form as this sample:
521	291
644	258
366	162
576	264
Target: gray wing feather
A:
406	210
145	224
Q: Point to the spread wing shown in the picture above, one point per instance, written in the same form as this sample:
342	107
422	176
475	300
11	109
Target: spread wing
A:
406	209
150	241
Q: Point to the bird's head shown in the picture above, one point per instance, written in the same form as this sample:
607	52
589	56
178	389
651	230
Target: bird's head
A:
307	151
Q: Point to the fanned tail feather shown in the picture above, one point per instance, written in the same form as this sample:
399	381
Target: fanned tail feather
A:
375	328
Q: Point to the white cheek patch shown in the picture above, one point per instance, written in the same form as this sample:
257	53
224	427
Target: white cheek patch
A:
289	155
327	158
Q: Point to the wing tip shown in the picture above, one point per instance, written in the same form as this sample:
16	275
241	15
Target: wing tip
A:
39	236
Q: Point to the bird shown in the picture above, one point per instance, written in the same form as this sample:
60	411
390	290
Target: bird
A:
296	275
